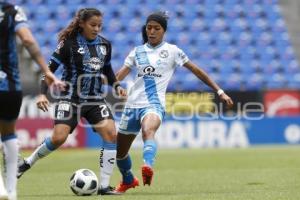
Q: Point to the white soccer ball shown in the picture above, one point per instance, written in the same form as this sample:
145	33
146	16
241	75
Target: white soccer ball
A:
84	182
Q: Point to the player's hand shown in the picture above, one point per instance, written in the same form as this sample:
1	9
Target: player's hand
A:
42	102
51	80
226	99
121	92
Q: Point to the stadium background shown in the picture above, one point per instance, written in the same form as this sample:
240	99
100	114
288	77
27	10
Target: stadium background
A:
250	47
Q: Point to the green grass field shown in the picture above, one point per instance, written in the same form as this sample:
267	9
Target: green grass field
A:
271	173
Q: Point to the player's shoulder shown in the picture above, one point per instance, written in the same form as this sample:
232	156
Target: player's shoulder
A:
104	40
170	46
67	42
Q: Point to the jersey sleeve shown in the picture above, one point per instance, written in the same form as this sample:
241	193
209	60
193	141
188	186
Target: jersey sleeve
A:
59	56
108	71
20	18
180	57
130	59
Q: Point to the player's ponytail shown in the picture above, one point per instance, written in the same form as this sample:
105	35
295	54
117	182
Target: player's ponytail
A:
73	28
144	34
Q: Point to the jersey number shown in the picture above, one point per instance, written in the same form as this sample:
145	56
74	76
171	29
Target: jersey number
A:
104	111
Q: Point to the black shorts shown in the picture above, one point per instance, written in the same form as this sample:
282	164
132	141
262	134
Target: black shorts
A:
70	113
10	104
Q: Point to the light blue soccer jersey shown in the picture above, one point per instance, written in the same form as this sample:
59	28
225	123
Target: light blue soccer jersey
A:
155	67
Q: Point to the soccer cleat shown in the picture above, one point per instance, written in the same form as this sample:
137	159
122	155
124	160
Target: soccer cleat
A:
107	191
122	187
147	174
23	166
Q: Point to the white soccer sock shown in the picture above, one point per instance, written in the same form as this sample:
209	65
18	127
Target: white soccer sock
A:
41	151
107	163
3	192
11	150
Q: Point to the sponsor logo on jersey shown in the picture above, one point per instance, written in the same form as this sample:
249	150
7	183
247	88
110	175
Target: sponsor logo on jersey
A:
81	50
94	63
149	71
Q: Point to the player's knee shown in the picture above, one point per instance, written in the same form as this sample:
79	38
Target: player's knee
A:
110	136
58	139
148	133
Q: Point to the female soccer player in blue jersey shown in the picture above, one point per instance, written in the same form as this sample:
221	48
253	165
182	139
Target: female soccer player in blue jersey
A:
85	57
155	62
13	22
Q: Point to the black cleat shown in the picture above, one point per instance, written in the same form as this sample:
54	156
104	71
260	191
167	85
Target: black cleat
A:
107	191
23	166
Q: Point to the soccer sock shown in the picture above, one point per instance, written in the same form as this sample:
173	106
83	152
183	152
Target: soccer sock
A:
10	151
107	163
3	191
124	166
43	150
149	152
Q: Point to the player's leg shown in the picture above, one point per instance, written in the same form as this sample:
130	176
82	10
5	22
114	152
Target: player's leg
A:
124	162
100	117
107	130
10	104
128	130
65	123
3	192
59	136
151	121
10	155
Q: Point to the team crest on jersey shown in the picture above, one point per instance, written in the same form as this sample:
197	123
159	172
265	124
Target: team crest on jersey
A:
103	49
164	54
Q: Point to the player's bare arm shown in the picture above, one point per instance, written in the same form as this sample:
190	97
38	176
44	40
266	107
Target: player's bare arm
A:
203	76
122	73
31	45
34	50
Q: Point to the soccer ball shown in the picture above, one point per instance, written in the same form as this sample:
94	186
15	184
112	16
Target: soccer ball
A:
84	182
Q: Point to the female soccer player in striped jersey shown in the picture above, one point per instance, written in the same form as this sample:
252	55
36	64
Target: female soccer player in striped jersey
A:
85	57
155	62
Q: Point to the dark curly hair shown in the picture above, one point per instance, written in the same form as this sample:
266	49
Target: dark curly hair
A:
73	28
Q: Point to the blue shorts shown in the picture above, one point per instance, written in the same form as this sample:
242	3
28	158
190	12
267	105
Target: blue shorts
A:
132	118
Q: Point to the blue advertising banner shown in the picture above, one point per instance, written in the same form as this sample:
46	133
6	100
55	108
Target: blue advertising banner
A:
199	133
